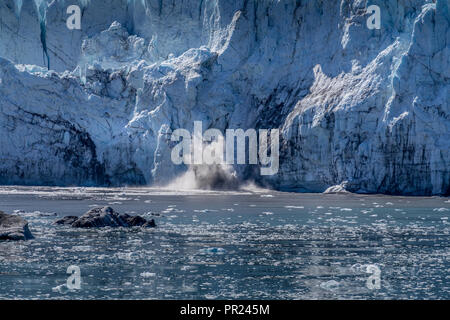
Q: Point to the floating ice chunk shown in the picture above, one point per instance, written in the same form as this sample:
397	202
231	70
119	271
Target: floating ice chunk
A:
35	213
186	268
441	209
356	268
294	207
267	196
346	209
331	285
363	268
61	289
267	213
147	274
82	248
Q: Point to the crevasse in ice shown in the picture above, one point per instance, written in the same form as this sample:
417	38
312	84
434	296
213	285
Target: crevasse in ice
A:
18	7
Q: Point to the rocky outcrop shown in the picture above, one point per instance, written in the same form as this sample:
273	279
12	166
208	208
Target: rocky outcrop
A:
66	220
14	228
105	217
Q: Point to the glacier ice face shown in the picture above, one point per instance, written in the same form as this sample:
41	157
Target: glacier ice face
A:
368	109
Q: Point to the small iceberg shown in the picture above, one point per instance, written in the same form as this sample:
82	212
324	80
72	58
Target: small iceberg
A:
213	250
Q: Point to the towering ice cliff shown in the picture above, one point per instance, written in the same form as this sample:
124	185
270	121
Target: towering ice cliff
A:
365	108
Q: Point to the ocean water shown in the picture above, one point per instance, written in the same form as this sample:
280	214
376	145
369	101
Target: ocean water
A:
252	244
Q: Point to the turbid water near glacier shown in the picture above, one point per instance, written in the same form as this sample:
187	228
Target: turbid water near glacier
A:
252	244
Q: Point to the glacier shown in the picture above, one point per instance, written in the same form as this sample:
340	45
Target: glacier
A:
359	108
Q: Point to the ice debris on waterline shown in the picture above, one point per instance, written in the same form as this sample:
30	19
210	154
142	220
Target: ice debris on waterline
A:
13	227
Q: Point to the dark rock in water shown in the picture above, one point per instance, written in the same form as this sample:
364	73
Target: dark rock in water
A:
106	217
66	220
99	218
14	228
150	224
135	221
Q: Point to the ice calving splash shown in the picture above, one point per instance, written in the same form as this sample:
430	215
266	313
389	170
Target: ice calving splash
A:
215	176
